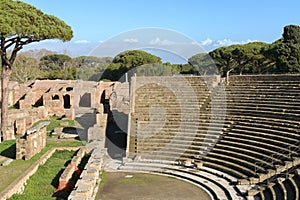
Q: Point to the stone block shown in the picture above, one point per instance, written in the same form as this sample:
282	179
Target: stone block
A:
69	114
7	162
95	133
64	123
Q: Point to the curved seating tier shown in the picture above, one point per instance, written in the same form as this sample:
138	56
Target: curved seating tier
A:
217	187
248	129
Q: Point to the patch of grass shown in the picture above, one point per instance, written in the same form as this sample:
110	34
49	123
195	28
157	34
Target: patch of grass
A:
44	182
103	179
55	122
6	144
13	171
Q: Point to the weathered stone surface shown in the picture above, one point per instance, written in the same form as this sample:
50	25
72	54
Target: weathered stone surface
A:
32	142
96	133
7	162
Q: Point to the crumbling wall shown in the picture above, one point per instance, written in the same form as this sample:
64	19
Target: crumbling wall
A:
88	184
21	120
32	142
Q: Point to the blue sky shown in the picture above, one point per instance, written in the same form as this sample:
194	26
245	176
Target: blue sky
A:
210	23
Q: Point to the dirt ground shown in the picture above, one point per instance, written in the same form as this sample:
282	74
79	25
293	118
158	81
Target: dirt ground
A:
148	187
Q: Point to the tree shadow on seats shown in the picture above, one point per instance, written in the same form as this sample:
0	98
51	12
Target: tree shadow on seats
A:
10	152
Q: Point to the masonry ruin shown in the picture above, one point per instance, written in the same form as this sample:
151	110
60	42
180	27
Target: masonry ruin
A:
32	142
244	134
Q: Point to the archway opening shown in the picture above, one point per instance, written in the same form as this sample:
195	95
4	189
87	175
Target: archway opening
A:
67	103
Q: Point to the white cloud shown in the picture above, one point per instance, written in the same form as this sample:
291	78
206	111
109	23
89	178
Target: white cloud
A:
158	41
81	42
249	40
228	42
206	42
131	40
225	42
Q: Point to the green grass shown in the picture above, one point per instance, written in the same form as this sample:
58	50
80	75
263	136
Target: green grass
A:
11	172
55	122
44	182
103	178
6	145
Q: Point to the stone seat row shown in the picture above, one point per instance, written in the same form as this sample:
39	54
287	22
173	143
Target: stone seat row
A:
248	165
167	99
262	157
270	133
281	188
261	98
261	151
266	140
266	120
263	91
192	124
267	108
264	88
265	82
261	113
265	105
170	87
178	106
173	96
253	107
218	188
183	126
272	127
261	143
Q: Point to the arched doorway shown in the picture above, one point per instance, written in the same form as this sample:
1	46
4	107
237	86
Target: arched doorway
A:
67	103
105	102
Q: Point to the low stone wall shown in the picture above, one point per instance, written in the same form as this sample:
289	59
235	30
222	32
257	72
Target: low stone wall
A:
21	120
97	132
264	77
18	185
64	180
87	186
32	142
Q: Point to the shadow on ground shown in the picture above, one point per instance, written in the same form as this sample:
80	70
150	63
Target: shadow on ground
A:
9	152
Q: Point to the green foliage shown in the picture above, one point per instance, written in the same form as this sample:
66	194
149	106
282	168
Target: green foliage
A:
286	51
223	59
291	34
203	63
155	70
21	20
25	69
247	58
91	68
64	74
21	24
54	61
128	60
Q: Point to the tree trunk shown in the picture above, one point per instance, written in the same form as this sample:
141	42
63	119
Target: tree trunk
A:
6	71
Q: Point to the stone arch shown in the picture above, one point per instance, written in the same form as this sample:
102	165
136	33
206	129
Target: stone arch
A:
67	101
55	97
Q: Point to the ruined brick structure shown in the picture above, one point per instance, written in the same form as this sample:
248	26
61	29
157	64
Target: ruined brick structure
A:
41	99
32	142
